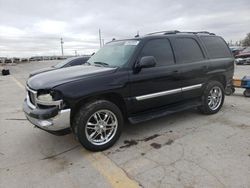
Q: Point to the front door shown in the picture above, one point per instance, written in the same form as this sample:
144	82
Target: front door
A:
156	86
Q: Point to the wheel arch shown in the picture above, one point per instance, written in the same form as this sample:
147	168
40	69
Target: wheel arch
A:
113	97
219	78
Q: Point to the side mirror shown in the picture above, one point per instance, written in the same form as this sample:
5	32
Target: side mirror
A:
146	62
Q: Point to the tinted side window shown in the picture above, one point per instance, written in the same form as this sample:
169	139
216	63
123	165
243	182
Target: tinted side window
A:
160	49
216	47
187	50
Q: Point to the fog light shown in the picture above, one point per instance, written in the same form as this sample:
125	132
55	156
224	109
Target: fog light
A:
45	123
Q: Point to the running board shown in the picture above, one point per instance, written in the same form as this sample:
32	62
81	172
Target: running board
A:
146	116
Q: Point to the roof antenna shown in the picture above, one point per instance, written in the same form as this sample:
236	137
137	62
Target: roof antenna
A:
137	35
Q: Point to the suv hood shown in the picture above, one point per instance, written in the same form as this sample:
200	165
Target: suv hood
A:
48	80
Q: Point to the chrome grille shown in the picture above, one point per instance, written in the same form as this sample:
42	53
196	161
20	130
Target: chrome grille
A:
32	97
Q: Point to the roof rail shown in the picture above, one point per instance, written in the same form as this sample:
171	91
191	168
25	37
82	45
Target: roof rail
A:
198	32
164	32
176	31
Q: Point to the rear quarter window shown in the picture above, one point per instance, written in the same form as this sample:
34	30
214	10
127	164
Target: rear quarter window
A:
216	47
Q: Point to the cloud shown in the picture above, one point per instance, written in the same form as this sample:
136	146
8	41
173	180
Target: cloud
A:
10	31
50	27
31	27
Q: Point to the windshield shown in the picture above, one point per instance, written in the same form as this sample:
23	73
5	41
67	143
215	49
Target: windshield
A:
64	62
114	54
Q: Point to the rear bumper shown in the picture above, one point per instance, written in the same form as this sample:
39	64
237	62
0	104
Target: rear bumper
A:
51	119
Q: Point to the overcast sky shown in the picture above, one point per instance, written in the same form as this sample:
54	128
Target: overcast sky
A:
31	27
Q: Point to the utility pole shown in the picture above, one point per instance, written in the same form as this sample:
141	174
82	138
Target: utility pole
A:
62	46
100	38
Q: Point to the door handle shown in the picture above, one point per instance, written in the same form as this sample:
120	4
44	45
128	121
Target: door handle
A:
175	71
176	75
205	67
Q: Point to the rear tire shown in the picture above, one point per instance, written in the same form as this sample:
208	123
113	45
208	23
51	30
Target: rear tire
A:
98	125
213	98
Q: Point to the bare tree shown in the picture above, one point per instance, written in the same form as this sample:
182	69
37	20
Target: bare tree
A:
246	40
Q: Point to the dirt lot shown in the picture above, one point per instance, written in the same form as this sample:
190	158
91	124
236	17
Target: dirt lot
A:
186	149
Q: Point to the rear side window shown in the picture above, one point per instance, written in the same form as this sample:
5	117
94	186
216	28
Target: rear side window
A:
216	47
187	50
160	49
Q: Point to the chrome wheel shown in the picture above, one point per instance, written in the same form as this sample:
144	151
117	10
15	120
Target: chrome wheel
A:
101	127
215	98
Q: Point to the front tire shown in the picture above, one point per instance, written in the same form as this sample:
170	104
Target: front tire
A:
98	125
213	98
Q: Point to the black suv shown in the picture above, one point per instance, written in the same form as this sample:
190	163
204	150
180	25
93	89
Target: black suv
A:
136	79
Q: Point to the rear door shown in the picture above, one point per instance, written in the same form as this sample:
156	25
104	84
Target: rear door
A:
193	65
156	86
221	60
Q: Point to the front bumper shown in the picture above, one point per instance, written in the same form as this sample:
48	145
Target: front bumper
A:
49	119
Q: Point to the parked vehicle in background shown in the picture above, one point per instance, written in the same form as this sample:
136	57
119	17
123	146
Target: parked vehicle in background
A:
7	60
243	57
15	60
137	79
24	59
80	60
236	50
36	58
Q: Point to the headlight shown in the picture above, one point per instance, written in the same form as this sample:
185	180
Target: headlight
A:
49	98
45	97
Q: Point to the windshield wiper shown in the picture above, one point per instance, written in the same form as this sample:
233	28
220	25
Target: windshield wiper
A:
101	63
